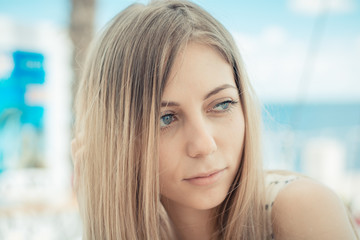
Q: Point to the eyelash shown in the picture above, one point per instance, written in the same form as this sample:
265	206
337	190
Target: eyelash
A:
230	103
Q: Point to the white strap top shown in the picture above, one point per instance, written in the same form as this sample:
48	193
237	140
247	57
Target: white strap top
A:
274	183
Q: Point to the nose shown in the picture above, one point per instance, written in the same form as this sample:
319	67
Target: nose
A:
200	140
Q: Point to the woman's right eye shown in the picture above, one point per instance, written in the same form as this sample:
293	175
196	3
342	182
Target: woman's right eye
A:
166	120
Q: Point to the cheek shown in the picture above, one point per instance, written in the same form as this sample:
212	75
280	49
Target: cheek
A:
168	173
168	161
165	157
233	136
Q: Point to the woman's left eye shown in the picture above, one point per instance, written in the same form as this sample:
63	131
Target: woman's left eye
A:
223	106
166	120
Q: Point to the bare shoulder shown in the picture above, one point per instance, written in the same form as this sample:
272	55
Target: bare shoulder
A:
305	209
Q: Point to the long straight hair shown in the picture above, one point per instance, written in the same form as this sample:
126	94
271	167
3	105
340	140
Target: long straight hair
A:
118	112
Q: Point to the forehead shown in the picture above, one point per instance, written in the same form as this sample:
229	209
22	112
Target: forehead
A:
196	70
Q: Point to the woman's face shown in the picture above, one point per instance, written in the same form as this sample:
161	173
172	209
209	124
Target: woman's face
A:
202	130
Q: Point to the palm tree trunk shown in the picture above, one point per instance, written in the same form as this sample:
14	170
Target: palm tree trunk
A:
81	33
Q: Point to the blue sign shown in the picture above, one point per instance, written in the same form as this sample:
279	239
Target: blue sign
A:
29	68
14	112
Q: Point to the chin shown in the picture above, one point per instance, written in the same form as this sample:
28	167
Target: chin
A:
207	202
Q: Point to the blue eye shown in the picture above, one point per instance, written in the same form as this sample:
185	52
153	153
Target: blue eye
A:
166	120
223	105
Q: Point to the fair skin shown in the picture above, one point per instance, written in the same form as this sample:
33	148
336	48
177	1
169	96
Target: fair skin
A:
201	144
308	210
202	133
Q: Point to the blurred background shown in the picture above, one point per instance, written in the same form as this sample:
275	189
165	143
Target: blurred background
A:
302	56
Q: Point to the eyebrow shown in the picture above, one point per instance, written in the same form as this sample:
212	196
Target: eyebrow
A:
211	93
218	89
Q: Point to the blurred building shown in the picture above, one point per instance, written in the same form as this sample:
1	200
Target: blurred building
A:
37	201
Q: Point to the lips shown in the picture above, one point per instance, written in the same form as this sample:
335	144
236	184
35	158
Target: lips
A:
202	175
208	178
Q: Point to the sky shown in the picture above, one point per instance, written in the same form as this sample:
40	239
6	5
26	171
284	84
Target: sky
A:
293	50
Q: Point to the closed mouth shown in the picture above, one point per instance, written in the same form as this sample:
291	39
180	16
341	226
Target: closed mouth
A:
205	175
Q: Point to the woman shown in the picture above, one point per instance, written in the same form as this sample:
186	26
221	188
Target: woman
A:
170	139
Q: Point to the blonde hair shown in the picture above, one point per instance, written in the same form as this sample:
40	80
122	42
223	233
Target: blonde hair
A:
118	112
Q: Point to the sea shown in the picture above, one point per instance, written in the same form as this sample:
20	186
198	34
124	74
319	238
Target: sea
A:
298	134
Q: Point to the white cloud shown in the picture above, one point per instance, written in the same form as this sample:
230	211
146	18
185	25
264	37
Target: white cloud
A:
274	36
336	73
271	64
275	65
314	7
357	44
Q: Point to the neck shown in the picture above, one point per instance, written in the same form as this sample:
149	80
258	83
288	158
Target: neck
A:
191	224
